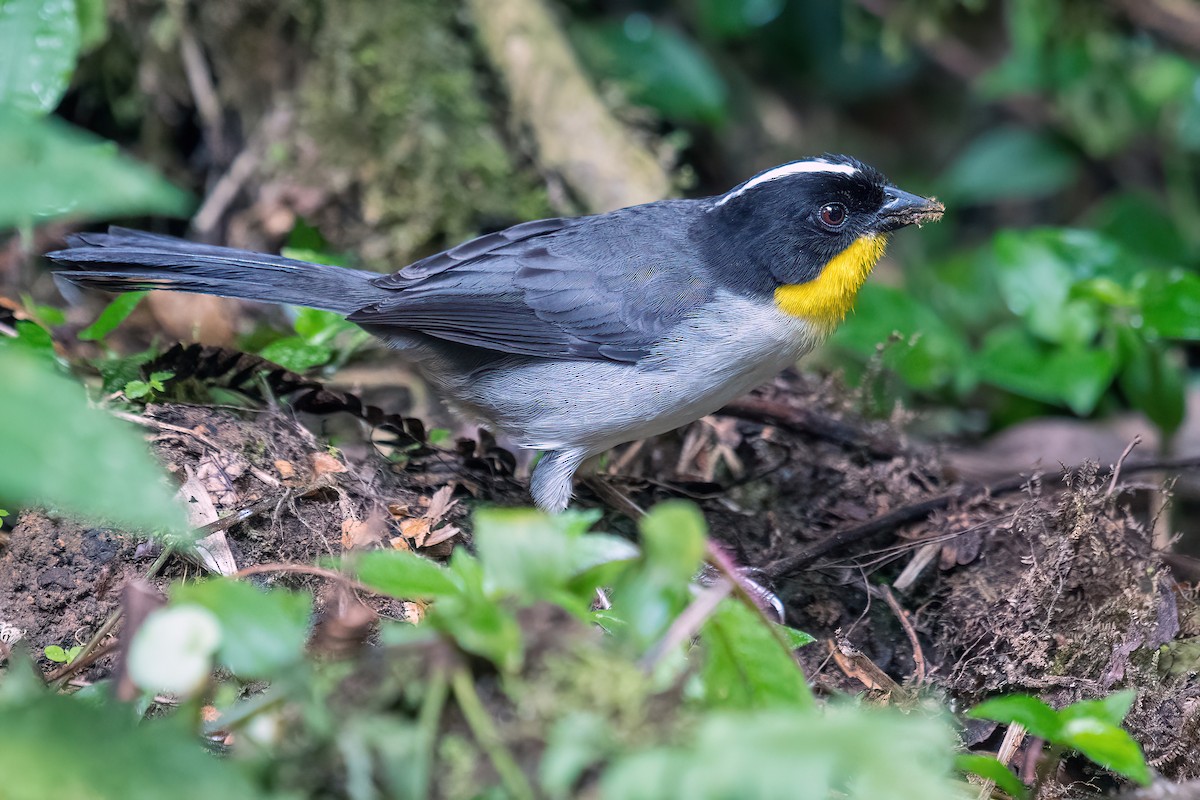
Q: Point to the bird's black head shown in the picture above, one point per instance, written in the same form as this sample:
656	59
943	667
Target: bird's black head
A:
807	233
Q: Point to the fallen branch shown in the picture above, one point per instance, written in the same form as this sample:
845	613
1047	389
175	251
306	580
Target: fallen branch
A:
798	562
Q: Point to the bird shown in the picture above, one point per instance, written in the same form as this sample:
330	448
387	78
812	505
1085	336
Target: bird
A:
573	335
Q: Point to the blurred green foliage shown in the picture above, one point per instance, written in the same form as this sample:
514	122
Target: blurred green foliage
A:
1093	727
1062	135
444	708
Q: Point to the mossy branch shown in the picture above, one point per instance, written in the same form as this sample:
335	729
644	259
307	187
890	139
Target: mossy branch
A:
575	135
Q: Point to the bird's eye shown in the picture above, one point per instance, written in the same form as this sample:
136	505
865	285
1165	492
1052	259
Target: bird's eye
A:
833	215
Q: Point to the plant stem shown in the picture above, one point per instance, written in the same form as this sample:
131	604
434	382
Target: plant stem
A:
488	737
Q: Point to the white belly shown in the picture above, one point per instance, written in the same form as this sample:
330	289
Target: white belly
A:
594	405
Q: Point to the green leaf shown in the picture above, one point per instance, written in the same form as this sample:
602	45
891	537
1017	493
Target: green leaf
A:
673	538
135	390
93	23
1111	710
482	627
576	742
71	455
319	327
1170	304
295	354
1011	359
116	372
533	555
990	768
731	19
1107	745
1093	727
1152	380
116	312
657	66
53	170
1141	224
53	746
404	575
40	42
654	590
795	639
56	654
745	665
931	354
794	754
1025	710
33	338
262	632
1010	163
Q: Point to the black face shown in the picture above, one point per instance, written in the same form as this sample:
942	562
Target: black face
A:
784	225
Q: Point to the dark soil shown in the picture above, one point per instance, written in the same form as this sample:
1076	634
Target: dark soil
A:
1053	589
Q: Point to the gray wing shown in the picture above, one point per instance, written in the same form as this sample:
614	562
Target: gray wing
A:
603	287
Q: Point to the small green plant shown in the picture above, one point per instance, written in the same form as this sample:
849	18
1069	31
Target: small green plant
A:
148	389
62	656
1089	727
320	338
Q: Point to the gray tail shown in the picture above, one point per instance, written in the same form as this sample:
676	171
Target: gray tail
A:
124	260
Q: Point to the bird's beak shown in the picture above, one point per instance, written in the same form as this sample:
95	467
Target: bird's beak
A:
901	208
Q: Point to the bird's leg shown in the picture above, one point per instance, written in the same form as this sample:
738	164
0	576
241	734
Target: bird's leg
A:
552	478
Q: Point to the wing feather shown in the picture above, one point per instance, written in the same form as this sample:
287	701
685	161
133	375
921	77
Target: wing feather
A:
604	287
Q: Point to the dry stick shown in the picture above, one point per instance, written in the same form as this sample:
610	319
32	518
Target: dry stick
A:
909	631
1116	473
798	562
1008	748
305	569
687	624
808	423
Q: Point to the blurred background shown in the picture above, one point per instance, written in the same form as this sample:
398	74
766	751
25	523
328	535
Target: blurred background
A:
1052	315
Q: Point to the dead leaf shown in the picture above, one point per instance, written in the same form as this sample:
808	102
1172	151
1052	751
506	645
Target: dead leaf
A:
414	612
399	543
440	503
441	535
218	471
285	469
398	510
358	534
326	464
416	529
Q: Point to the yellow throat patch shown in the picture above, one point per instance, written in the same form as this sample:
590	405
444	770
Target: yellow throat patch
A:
826	298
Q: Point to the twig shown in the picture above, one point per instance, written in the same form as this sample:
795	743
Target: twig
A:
92	652
1116	473
573	131
909	631
807	423
304	569
688	623
798	562
1008	748
150	422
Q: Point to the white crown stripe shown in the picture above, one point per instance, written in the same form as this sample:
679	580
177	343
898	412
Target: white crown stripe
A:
796	168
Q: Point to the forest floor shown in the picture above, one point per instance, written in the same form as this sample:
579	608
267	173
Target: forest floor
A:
913	582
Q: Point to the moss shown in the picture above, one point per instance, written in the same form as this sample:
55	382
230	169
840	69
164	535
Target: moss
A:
405	121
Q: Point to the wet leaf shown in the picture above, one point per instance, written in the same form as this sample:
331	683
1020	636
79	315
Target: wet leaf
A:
990	768
41	42
75	456
53	170
745	665
116	312
261	632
